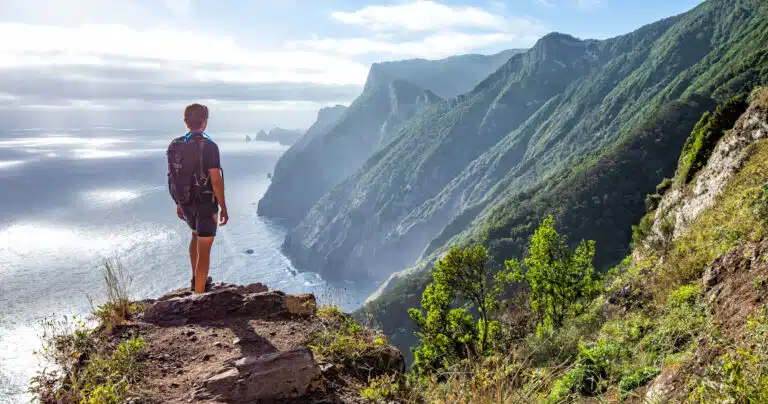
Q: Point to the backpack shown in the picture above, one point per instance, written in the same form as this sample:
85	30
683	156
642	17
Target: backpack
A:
186	175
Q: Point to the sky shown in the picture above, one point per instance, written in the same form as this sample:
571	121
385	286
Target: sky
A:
256	63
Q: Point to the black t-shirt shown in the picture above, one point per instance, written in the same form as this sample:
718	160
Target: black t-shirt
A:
211	159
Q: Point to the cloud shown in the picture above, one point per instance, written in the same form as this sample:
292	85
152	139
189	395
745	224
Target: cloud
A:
421	15
437	45
89	65
425	28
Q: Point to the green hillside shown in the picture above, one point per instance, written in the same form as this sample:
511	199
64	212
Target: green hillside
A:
593	152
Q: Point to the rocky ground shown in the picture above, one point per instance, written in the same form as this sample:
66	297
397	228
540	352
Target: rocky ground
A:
239	344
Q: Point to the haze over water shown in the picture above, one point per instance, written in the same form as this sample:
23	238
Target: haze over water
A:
73	198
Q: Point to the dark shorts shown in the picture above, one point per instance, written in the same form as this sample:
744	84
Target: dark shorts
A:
202	218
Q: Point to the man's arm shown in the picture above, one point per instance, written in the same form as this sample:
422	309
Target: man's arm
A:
217	182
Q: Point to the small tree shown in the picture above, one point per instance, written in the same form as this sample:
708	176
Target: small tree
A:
560	280
447	334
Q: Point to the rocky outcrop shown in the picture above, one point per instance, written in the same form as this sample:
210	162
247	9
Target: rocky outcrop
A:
249	344
281	375
681	205
734	287
225	302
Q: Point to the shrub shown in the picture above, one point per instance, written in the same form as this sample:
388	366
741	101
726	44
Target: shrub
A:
642	231
381	388
760	205
652	202
447	334
561	282
338	339
663	186
85	375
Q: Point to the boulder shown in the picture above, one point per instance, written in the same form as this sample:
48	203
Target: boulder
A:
282	375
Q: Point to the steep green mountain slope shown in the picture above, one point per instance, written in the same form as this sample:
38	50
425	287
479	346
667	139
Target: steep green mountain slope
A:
393	93
683	319
537	115
543	166
361	229
340	150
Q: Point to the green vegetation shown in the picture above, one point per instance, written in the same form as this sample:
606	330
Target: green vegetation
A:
561	282
85	367
609	337
706	133
448	334
741	374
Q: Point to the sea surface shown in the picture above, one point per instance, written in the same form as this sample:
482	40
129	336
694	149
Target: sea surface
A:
70	199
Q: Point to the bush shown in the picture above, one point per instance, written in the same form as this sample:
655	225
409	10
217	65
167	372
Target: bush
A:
338	339
663	186
642	231
381	388
561	282
652	202
448	334
760	205
86	376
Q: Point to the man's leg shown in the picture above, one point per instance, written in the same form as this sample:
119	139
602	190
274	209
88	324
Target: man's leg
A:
193	252
203	262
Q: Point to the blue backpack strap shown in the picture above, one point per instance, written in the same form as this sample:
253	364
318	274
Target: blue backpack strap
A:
188	135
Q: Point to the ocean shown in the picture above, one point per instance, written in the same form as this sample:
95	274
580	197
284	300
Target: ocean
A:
71	199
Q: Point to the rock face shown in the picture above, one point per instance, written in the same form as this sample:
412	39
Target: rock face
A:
281	375
393	93
367	126
684	205
227	301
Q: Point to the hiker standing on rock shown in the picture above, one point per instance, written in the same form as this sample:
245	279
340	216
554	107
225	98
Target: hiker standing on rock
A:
196	184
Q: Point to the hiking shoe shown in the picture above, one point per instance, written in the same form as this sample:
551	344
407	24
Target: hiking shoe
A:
207	284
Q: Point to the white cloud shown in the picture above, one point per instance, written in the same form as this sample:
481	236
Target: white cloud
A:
437	45
425	28
176	52
420	15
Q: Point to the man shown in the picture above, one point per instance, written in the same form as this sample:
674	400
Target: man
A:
196	185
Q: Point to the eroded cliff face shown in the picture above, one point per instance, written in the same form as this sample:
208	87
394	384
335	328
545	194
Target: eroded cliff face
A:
328	156
683	203
393	93
714	220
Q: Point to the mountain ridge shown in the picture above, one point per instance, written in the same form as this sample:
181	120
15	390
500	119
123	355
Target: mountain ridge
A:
371	121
